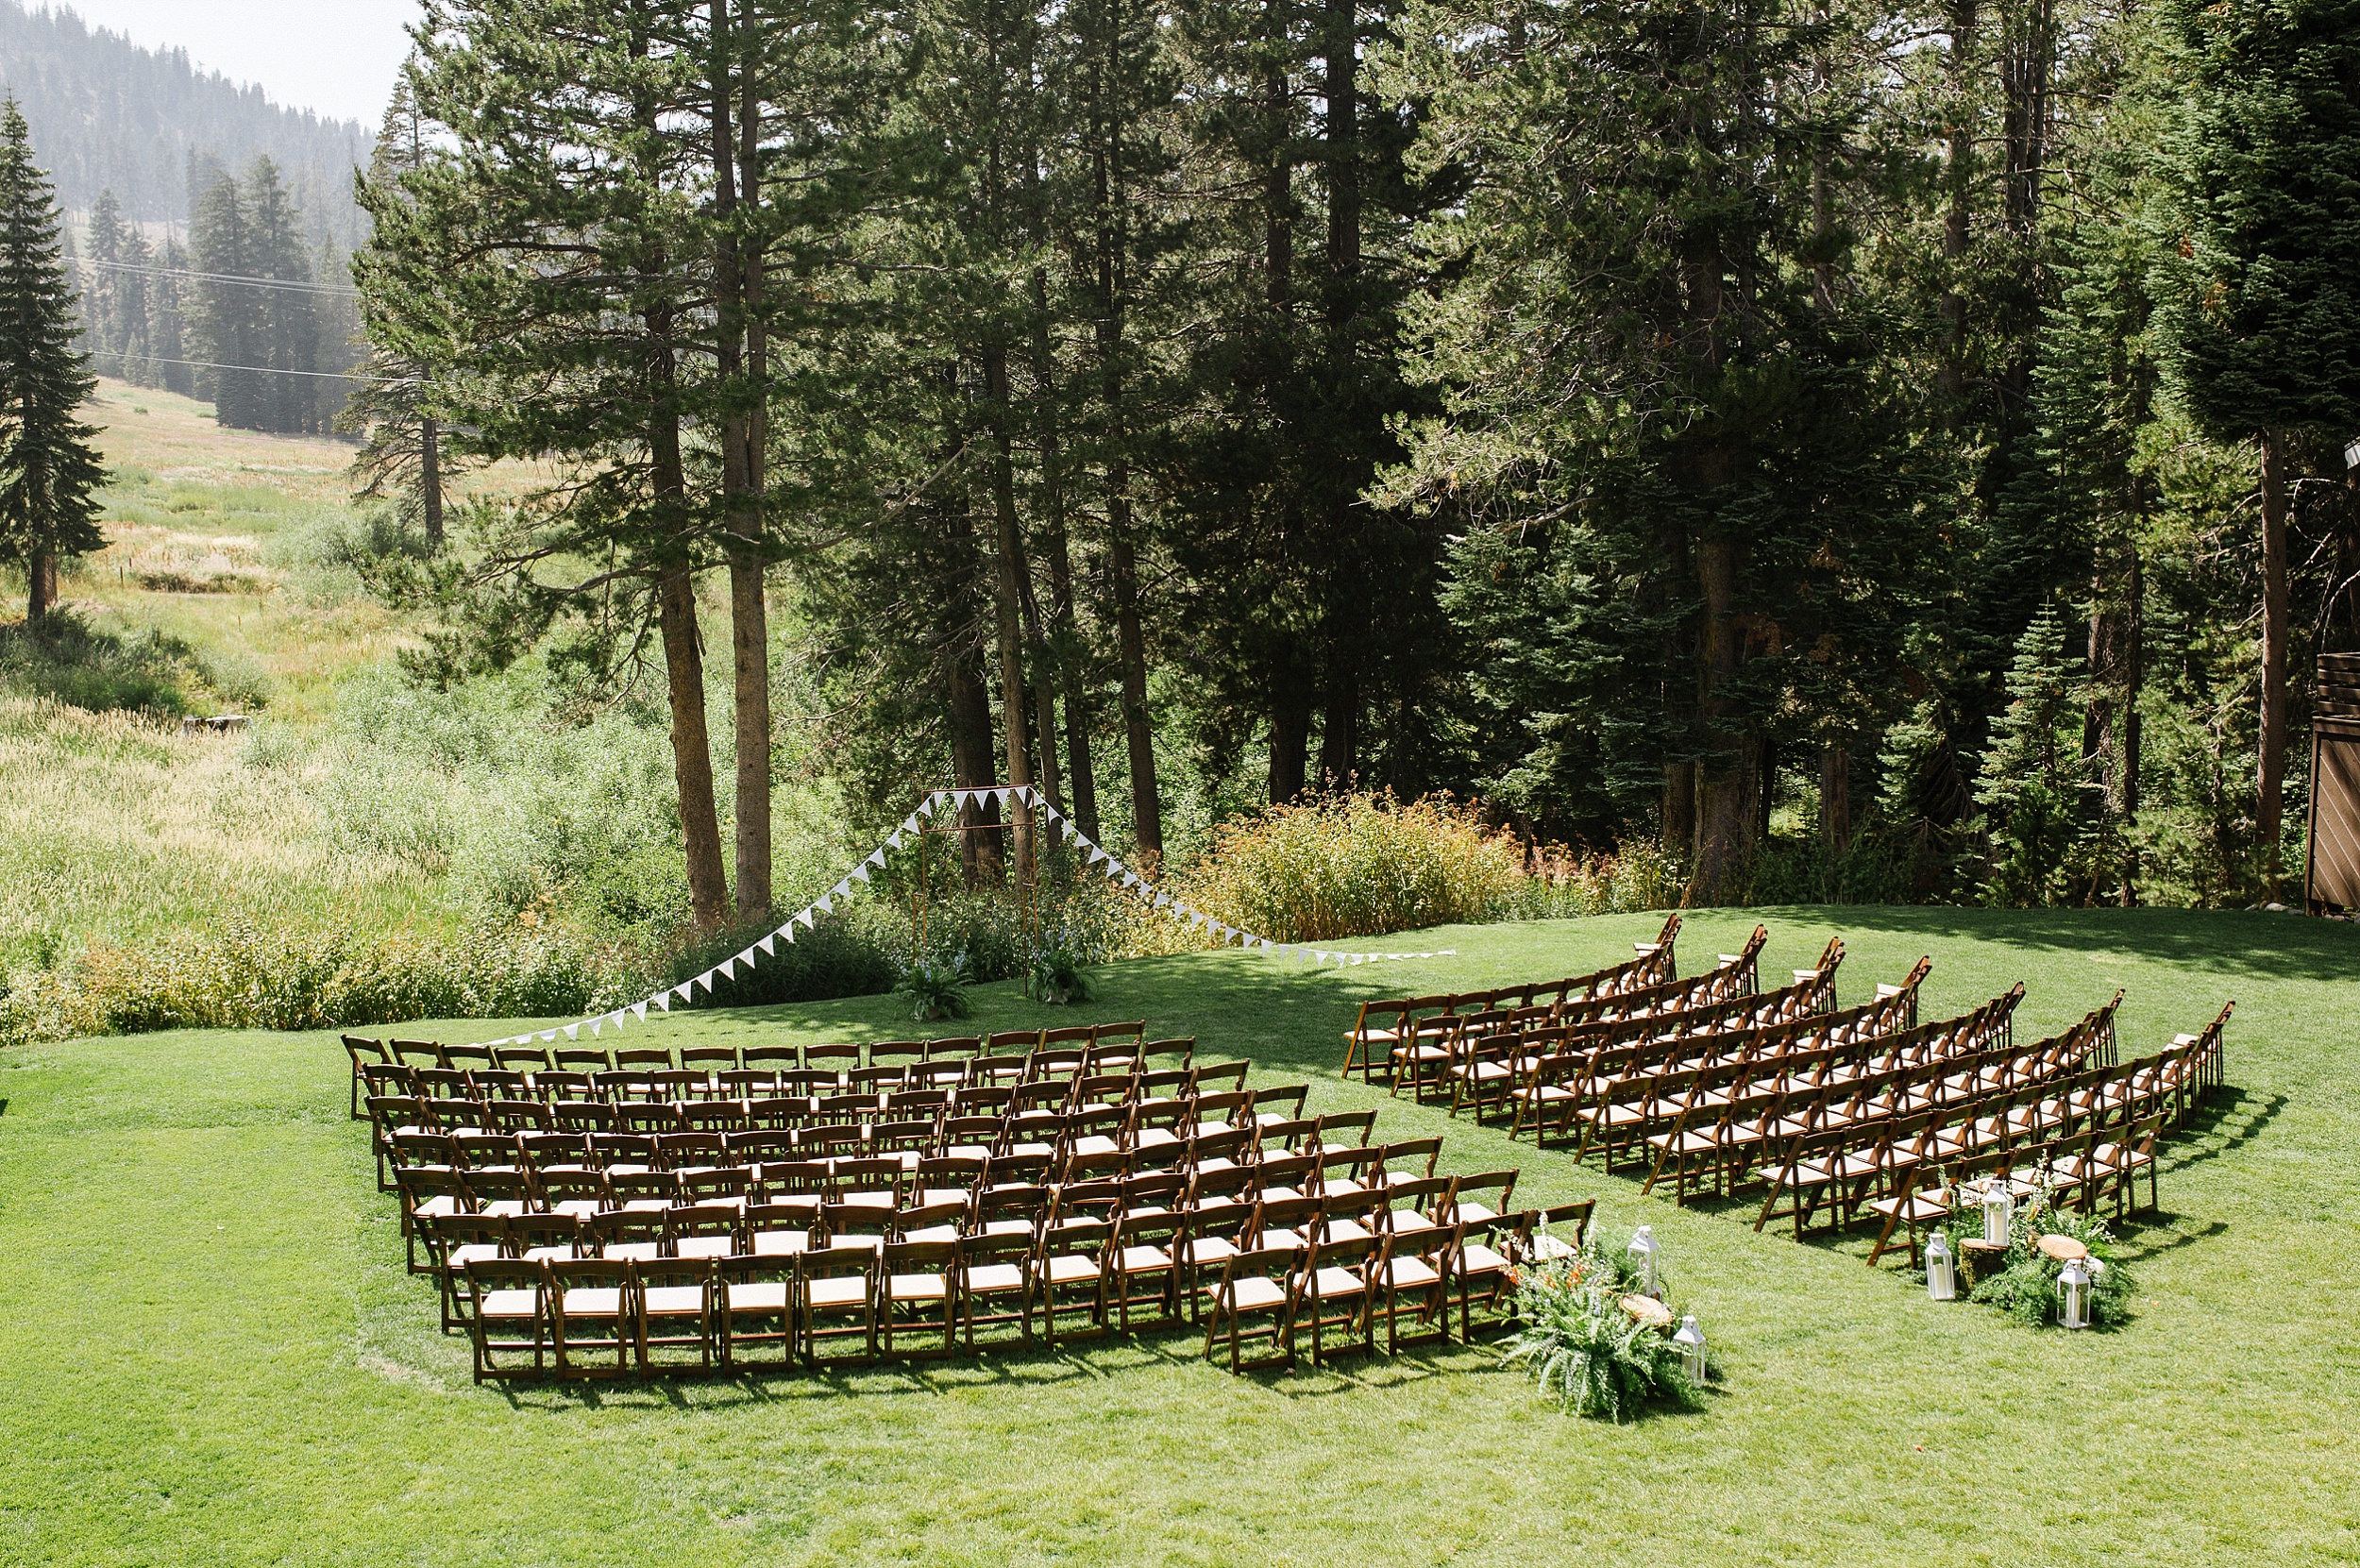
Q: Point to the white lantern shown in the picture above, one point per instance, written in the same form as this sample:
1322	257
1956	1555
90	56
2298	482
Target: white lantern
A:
1942	1269
1997	1208
1692	1343
2073	1295
1642	1259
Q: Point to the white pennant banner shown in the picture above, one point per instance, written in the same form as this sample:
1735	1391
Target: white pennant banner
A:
1094	857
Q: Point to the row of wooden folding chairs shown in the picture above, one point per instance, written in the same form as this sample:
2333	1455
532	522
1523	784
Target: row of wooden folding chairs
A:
1849	1168
1340	1282
1612	1093
1499	1074
1698	1005
1836	1046
840	1059
1383	1024
1082	1275
698	1081
1912	1095
411	1139
538	1102
2109	1154
1725	1119
1421	1040
1308	1164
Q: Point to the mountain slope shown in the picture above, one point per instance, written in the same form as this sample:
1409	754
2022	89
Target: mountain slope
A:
107	113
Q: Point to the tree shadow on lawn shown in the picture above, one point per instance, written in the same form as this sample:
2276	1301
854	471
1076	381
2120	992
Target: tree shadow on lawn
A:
2266	946
2194	1143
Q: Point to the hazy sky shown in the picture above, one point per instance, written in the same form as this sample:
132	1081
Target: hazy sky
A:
335	56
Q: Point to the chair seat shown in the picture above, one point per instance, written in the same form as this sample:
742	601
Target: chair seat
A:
674	1301
1143	1260
991	1279
1069	1268
706	1246
1343	1228
1205	1249
1552	1249
1480	1259
1410	1273
1095	1144
843	1291
757	1296
584	1300
871	1200
781	1244
917	1287
509	1305
462	1256
1275	1240
932	1232
1254	1295
1327	1284
642	1252
1156	1138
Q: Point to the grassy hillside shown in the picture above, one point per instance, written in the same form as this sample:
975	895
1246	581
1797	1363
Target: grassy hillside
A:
209	1354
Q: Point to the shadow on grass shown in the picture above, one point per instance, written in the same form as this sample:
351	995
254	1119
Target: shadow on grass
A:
2213	1117
2266	945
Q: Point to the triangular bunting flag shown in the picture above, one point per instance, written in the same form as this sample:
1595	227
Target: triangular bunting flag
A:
893	839
595	1024
684	993
804	917
843	889
826	905
768	950
705	979
860	873
876	857
548	1034
573	1031
728	967
926	808
747	958
639	1011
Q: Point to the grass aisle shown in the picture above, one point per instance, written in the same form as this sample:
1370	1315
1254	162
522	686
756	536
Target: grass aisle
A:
209	1353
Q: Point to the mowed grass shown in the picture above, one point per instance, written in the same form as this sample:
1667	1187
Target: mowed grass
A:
209	1354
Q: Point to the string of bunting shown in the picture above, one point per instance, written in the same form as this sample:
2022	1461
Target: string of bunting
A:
1094	858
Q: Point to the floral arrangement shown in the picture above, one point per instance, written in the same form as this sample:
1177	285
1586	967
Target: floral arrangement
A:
935	987
1581	1343
1055	973
2025	1285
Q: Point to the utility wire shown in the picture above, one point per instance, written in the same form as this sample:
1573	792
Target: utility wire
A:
255	369
295	284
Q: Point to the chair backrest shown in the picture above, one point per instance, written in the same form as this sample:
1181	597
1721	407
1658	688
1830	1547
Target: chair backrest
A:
836	1263
777	1216
643	1057
954	1047
906	1222
688	1151
796	1178
643	1187
714	1056
779	1058
581	1059
701	1220
1211	1077
1286	1100
1335	1126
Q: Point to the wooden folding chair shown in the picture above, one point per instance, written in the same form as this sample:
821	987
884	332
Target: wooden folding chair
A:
1476	1267
1252	1287
1142	1247
780	1228
995	1268
1332	1289
508	1314
675	1293
1072	1266
832	1285
593	1309
753	1306
918	1281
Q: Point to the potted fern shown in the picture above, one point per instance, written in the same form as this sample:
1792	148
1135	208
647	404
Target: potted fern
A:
936	987
1582	1344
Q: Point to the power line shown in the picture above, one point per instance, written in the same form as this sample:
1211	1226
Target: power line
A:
295	284
256	369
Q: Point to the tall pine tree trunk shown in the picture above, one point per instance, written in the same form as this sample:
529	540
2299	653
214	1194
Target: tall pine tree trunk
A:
1835	800
734	276
1007	585
971	765
41	570
1147	806
692	748
1725	799
430	482
1957	72
2271	808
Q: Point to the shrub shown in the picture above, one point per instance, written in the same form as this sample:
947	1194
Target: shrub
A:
251	976
1355	865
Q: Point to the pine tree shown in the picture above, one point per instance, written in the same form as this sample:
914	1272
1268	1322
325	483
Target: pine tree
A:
2257	286
2038	805
231	325
48	468
291	397
402	455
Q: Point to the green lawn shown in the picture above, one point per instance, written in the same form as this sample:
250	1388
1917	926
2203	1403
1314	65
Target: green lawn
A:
209	1354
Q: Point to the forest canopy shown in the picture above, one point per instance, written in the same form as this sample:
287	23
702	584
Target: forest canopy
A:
1874	453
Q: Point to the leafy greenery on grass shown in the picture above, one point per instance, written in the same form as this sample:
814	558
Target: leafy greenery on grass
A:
209	1353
